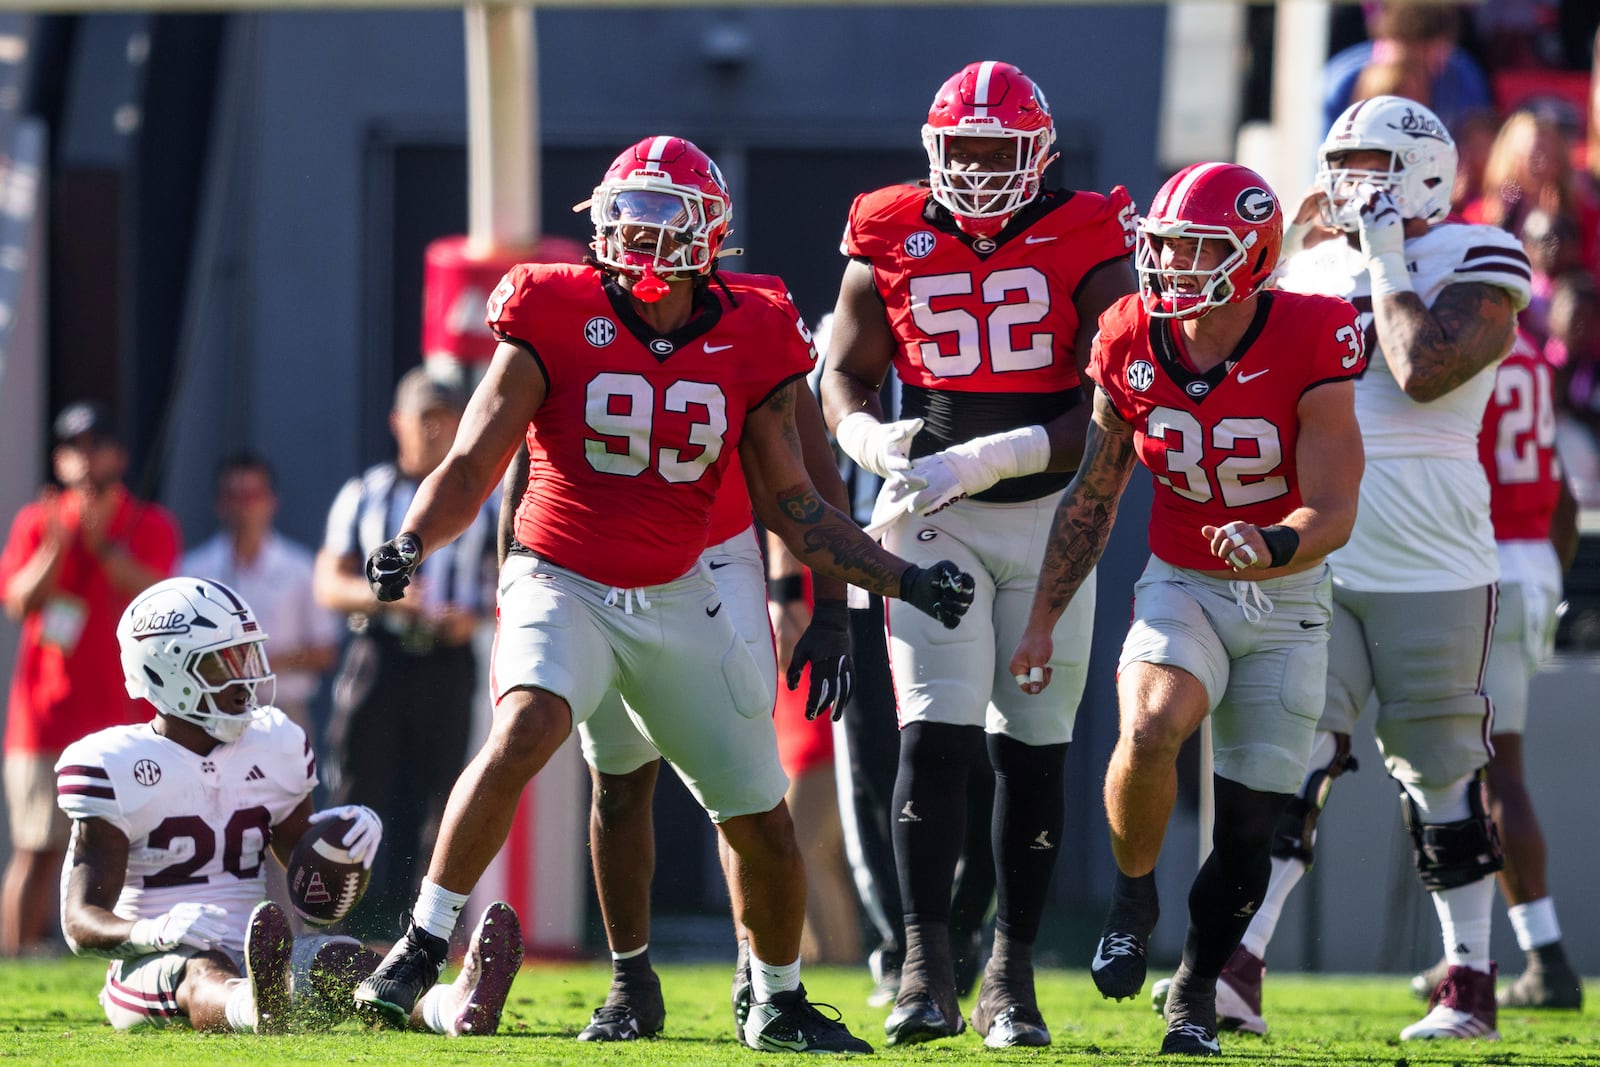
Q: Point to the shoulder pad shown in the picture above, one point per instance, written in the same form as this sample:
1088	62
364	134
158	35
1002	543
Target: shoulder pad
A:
1492	256
286	751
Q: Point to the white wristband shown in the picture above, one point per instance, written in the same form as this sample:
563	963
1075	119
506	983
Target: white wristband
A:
854	433
1389	274
144	936
1017	453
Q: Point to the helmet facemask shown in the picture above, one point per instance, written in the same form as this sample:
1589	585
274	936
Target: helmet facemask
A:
1161	287
970	193
648	225
1347	188
214	671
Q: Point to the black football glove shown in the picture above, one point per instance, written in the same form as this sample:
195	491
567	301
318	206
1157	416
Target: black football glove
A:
390	565
942	590
826	647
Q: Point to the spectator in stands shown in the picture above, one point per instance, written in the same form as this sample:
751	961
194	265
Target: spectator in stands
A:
1418	36
402	700
1573	351
1390	78
1474	140
73	560
273	574
1530	168
1551	242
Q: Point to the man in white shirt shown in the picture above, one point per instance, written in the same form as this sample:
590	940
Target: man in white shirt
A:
272	573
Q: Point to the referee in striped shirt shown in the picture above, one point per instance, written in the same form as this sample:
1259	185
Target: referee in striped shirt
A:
402	700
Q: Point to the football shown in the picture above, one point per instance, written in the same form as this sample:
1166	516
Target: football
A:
324	882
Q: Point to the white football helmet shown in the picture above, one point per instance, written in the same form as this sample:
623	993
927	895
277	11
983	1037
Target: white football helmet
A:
1422	160
186	639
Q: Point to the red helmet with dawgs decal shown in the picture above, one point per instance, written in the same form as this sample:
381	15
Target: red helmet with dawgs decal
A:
1236	222
662	209
996	100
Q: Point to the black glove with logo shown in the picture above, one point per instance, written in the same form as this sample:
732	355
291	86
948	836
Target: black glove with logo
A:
826	647
390	565
942	590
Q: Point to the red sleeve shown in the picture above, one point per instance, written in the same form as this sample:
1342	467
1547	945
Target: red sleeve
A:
1106	355
1112	236
26	533
510	312
1339	349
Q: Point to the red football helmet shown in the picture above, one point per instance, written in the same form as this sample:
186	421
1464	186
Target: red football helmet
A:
988	99
662	208
1236	223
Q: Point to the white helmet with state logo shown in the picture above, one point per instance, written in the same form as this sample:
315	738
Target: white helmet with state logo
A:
184	641
1422	160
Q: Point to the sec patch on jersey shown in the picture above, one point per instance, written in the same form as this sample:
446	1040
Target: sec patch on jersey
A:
324	881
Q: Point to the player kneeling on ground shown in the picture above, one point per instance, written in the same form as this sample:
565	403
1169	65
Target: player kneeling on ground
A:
171	821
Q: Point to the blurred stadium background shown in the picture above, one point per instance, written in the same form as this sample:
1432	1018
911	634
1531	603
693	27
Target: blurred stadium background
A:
217	221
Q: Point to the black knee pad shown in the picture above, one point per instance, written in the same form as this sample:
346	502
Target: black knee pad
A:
1297	827
1452	854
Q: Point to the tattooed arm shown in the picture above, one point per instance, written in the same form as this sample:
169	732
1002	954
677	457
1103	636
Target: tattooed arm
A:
1432	351
787	503
1078	536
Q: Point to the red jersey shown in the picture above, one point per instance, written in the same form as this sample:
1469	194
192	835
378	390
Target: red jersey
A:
986	316
68	678
1222	444
639	430
1517	446
731	512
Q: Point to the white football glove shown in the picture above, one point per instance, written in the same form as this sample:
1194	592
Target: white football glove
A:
975	465
1383	240
361	841
880	447
199	926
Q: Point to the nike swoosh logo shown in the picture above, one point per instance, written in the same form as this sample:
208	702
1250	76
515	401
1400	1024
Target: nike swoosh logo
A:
1247	377
719	566
711	613
1036	240
1100	962
1307	624
712	350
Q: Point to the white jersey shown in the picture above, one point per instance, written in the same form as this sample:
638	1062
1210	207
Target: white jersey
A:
1423	522
197	826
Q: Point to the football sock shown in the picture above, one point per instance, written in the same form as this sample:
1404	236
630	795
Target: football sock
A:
1029	812
437	909
928	964
436	1002
1535	923
767	979
1464	914
1234	878
633	953
1286	874
1012	957
930	810
240	1007
632	965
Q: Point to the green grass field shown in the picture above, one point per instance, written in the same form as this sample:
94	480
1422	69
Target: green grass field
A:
48	1015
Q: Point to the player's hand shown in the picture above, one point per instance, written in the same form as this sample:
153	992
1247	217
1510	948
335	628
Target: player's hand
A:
1030	663
361	840
199	926
1239	544
942	590
881	447
1382	230
948	476
390	565
825	646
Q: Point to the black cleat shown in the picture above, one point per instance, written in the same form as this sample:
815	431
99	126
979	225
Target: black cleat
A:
1191	1022
1548	982
741	995
409	970
1118	966
918	1017
268	945
632	1010
1010	1025
791	1023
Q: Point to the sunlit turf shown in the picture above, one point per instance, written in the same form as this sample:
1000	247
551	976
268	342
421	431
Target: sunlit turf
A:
48	1014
